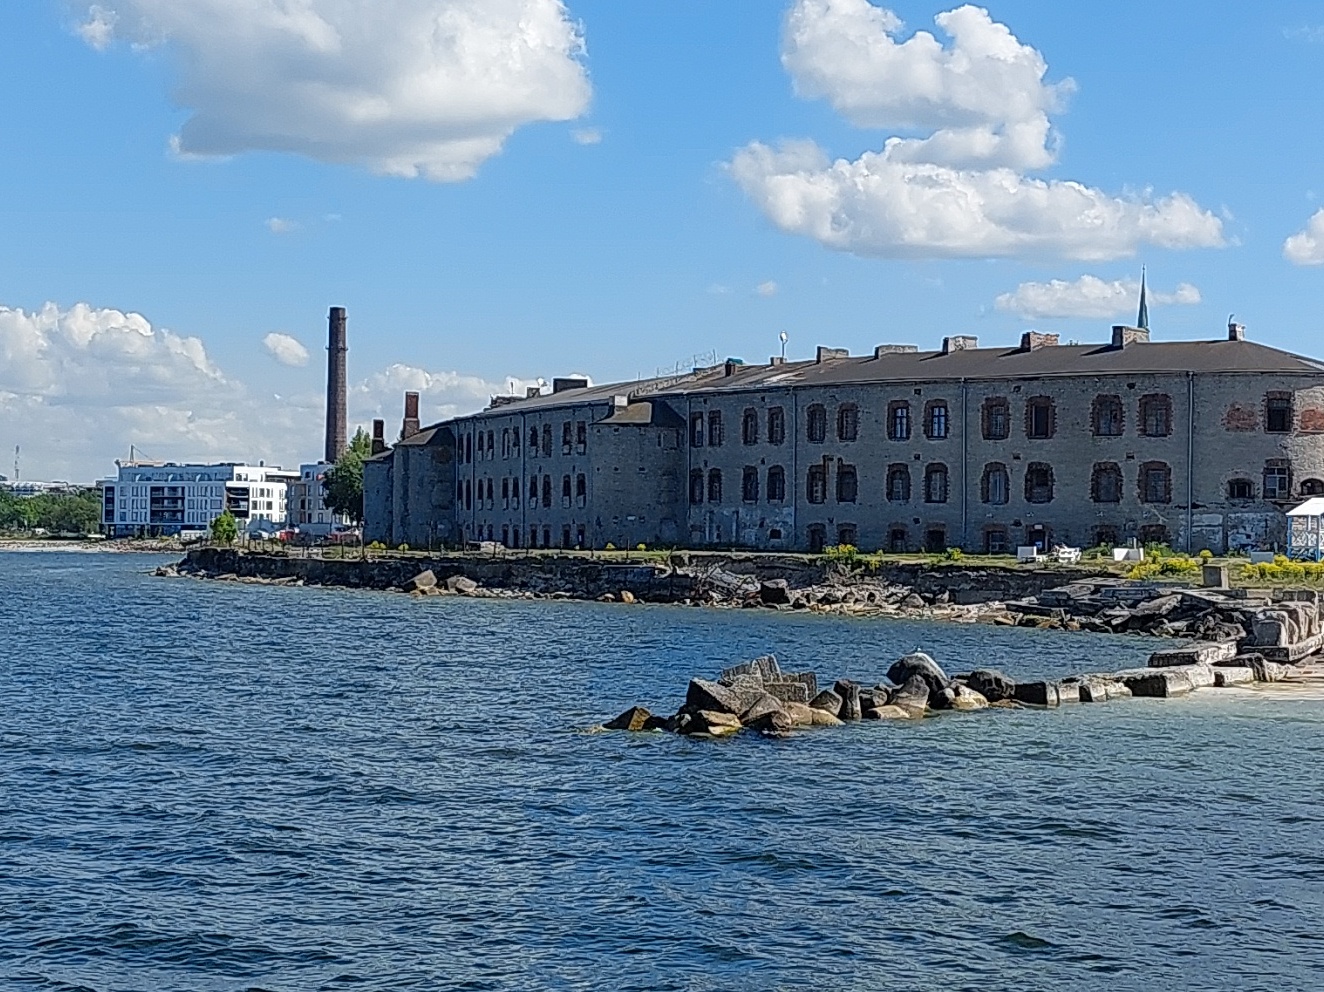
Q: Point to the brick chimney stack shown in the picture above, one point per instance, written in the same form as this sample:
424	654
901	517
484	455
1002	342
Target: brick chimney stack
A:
337	387
411	424
378	436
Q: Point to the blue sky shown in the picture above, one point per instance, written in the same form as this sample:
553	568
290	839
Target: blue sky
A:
628	220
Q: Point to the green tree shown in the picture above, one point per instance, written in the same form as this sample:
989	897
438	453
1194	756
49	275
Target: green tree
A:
224	529
343	486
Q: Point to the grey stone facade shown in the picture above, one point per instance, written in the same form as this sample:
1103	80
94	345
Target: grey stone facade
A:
1200	444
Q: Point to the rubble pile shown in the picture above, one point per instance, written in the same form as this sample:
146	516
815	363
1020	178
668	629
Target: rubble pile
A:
1283	625
758	696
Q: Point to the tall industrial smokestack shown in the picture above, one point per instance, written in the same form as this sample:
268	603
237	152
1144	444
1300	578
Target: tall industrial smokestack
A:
337	387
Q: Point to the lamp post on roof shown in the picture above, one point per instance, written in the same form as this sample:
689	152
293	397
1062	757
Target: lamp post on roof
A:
782	337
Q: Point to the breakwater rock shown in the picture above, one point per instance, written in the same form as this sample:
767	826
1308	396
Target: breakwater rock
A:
1283	625
759	696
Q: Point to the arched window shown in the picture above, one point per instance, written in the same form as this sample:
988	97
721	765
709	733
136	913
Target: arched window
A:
816	424
898	483
581	489
1107	416
1156	415
533	442
1106	483
848	422
715	485
565	490
749	426
1240	489
776	425
996	419
1312	487
749	484
816	484
547	491
505	489
533	490
996	485
1039	483
935	484
848	484
935	420
898	420
1155	482
696	486
547	440
776	484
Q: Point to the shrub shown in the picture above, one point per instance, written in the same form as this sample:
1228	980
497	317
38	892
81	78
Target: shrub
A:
609	547
641	547
1206	555
402	547
1155	550
952	554
376	546
846	554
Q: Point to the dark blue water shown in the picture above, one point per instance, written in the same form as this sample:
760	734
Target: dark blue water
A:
214	786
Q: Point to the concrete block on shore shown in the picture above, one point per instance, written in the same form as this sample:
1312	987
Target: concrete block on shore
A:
1227	675
1196	654
788	692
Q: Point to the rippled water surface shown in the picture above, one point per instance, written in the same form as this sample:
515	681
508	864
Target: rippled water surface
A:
214	786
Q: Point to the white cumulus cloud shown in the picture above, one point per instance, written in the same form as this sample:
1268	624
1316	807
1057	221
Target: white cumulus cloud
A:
404	87
768	288
1088	296
79	385
1306	247
956	187
285	349
586	136
281	225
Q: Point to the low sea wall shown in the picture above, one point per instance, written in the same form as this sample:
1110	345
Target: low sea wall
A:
681	577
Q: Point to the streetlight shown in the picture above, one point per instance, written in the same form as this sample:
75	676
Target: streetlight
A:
782	336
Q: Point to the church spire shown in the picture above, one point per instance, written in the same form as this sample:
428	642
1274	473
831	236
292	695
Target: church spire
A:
1142	318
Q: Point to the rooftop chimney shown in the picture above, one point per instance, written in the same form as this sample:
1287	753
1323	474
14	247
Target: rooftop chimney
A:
827	354
337	417
895	349
531	391
731	366
1123	335
378	436
965	342
1235	332
570	382
1034	340
777	360
410	425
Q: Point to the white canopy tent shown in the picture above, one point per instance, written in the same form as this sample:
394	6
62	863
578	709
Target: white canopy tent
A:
1305	527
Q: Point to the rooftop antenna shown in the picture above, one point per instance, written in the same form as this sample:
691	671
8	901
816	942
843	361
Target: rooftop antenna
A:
782	337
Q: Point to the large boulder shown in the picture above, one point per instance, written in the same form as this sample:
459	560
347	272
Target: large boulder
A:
1102	688
462	584
800	713
779	722
423	580
912	697
705	695
890	713
714	724
822	718
991	684
762	705
775	592
634	719
966	698
827	701
850	699
918	664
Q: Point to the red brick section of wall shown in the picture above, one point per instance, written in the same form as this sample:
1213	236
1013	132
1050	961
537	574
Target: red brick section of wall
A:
1312	420
1241	419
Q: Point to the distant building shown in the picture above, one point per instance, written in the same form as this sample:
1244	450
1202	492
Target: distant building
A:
26	489
156	499
307	501
1198	444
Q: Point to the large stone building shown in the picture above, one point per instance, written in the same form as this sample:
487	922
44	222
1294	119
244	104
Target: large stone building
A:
1200	444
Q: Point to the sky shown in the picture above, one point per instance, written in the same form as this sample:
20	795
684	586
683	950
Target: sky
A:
505	190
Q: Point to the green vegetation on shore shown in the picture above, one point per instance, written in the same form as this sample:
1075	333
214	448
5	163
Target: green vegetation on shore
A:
57	513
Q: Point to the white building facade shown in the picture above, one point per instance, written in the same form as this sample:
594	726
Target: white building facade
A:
307	501
155	499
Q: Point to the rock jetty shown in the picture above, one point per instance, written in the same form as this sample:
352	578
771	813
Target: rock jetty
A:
759	696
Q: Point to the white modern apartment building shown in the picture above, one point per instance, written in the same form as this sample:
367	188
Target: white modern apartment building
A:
308	509
155	498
